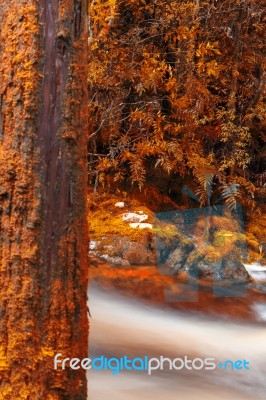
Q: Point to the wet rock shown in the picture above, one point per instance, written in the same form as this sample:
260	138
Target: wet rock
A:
235	271
93	244
204	266
115	260
165	247
200	266
177	259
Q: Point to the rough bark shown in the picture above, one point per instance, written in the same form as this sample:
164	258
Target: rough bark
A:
43	248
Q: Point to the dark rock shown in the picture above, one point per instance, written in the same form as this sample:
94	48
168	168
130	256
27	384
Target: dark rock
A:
165	247
235	271
177	259
202	266
199	266
173	250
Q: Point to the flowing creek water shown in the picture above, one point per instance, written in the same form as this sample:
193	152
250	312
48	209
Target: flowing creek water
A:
122	325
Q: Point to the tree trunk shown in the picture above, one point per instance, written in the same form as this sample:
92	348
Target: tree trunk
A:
43	232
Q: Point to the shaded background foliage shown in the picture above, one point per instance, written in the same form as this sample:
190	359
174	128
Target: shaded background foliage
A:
176	97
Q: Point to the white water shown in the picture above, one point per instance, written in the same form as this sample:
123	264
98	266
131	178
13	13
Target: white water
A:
257	271
260	310
122	325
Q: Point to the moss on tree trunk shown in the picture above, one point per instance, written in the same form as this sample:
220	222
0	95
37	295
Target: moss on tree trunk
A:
43	246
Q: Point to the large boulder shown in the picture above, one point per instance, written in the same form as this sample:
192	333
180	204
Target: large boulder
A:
123	251
209	264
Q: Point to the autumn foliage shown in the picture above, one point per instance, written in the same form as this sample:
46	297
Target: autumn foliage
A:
176	95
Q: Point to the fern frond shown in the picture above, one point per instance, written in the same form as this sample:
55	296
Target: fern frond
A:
230	194
204	192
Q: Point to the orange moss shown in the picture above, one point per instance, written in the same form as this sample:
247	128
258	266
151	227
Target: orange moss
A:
42	311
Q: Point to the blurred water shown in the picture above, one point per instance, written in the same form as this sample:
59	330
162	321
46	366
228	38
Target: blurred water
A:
257	271
122	325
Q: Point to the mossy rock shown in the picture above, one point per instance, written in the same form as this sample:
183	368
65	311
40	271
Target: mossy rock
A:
208	264
256	236
177	259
